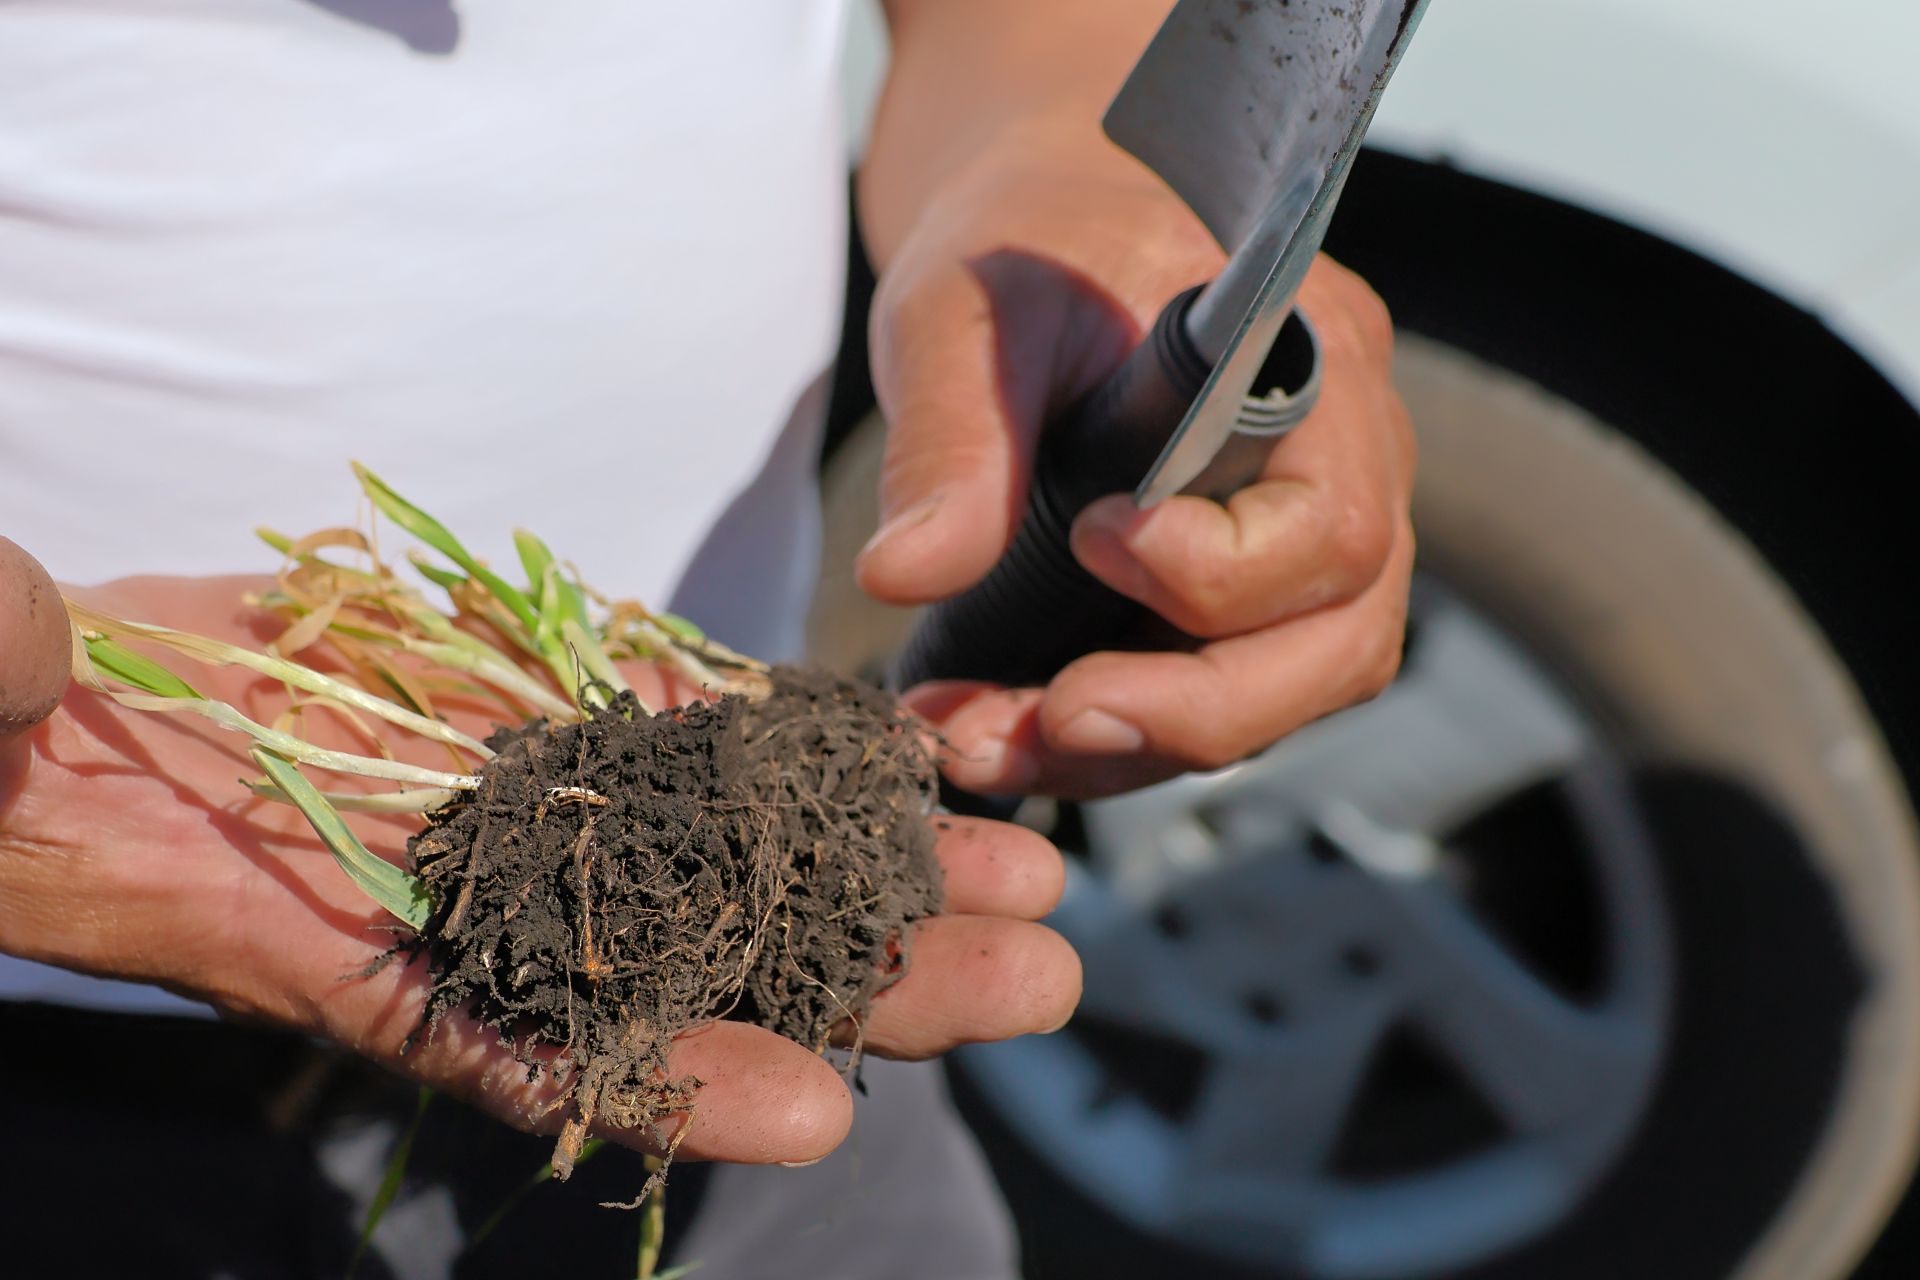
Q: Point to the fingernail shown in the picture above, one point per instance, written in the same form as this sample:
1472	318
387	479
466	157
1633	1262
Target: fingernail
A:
1097	542
1097	732
1107	516
801	1164
914	516
1013	768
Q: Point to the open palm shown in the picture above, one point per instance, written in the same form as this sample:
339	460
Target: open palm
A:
128	848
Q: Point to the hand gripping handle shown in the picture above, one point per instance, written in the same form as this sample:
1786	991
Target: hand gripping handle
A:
1038	609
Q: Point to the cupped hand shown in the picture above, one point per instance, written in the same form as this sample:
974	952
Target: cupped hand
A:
129	849
1028	279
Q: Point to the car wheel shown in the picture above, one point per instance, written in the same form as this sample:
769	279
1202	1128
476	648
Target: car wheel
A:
1591	948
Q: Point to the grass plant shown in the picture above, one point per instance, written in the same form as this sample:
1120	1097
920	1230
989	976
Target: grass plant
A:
548	646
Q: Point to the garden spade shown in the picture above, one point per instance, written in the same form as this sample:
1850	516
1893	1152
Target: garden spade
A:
1251	110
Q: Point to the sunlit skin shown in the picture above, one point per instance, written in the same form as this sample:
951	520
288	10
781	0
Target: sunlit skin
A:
129	848
1022	256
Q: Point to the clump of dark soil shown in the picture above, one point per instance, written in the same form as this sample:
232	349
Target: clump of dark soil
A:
614	882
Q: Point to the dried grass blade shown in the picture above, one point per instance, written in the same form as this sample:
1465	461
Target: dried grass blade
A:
402	682
396	1172
219	653
411	800
228	717
473	601
308	628
320	539
87	676
500	673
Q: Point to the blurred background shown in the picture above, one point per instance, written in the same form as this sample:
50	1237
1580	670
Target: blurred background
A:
1592	947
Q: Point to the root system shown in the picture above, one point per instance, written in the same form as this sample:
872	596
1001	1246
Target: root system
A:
613	882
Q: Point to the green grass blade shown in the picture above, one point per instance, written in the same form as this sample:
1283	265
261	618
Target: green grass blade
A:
436	535
573	603
571	599
446	579
568	600
653	1222
274	538
535	557
131	668
409	517
390	1180
400	893
588	1150
560	602
548	631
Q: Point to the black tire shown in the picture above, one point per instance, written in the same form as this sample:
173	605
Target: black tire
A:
1782	1127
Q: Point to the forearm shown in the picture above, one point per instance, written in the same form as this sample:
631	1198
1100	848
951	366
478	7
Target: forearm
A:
970	75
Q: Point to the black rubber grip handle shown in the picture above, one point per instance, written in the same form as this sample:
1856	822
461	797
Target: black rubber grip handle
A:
1037	609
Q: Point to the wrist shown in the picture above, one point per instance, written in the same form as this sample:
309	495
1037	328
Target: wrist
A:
975	81
1001	177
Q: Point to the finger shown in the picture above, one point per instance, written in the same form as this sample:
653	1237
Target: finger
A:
1230	699
985	763
997	869
971	979
990	742
967	362
1112	722
35	643
763	1099
1316	530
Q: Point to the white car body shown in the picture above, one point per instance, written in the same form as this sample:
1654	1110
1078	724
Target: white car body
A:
1780	139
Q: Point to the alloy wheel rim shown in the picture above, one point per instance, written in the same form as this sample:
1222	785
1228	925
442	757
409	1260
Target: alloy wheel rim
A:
1290	941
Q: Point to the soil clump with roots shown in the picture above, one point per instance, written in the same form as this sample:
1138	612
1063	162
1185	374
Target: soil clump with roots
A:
614	882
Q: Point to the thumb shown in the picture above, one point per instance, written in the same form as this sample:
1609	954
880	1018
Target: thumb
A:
35	643
954	469
967	363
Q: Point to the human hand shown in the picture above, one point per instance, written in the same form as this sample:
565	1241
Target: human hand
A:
128	849
1026	280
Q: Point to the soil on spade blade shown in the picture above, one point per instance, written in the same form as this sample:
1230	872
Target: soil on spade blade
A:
614	882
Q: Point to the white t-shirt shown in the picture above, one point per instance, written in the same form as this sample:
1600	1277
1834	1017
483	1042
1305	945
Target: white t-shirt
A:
574	266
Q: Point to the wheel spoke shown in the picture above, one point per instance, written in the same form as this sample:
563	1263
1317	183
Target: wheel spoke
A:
1466	725
1271	1117
1540	1060
1200	967
1144	840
